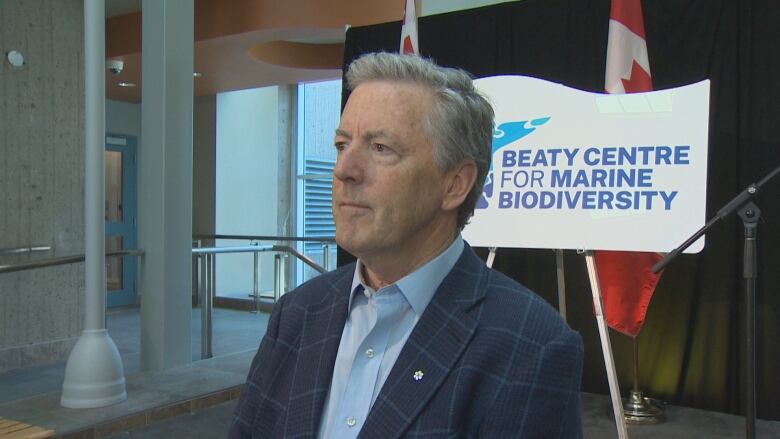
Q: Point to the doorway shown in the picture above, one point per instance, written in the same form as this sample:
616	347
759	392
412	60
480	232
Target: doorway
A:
120	216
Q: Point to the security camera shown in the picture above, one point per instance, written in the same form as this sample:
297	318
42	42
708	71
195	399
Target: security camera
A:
115	66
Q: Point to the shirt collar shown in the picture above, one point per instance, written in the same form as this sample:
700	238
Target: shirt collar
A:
419	286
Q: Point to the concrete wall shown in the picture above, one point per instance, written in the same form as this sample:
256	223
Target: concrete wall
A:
41	169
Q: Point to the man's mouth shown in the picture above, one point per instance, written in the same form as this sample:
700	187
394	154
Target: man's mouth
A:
353	205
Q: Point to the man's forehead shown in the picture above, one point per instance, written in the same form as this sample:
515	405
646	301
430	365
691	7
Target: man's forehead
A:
385	110
385	99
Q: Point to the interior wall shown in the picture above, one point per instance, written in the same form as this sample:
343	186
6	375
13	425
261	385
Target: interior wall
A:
41	168
123	118
204	138
247	168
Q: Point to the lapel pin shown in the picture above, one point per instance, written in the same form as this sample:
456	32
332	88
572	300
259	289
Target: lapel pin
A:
418	375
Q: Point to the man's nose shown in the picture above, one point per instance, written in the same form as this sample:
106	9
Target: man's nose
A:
350	164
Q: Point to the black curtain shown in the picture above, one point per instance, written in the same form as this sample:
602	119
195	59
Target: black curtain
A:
692	345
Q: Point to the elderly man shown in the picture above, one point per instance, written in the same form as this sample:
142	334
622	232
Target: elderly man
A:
418	338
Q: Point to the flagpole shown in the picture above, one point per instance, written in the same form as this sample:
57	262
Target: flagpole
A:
606	347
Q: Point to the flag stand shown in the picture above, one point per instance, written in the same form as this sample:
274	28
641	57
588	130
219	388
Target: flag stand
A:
491	257
561	283
606	347
640	410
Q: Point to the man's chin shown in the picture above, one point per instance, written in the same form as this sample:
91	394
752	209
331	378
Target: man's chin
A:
344	242
351	244
348	246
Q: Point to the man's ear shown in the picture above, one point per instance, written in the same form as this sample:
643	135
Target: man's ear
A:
459	182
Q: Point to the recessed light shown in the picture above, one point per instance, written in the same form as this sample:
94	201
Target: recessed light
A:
125	84
15	58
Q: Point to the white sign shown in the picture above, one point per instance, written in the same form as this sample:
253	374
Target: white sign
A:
579	170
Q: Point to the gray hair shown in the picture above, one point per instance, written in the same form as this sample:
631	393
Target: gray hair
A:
460	123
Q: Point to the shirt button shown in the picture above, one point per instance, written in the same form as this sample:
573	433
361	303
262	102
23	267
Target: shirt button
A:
351	421
370	353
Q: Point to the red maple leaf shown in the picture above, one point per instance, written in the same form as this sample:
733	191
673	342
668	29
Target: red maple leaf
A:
639	80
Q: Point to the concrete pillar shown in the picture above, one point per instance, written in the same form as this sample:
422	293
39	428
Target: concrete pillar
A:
286	144
165	183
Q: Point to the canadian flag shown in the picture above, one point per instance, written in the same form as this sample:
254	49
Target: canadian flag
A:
409	30
627	282
628	68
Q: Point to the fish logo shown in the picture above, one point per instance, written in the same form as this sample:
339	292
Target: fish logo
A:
503	135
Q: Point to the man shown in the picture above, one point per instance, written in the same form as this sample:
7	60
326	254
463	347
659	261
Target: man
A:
418	338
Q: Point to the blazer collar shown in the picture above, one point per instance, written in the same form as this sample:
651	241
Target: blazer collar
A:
321	331
433	348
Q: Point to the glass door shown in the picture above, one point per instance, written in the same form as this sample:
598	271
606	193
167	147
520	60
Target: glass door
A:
120	215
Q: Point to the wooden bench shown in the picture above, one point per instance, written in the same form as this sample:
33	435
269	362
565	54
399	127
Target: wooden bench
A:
17	430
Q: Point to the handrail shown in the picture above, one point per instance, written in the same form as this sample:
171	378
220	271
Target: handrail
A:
63	260
261	248
305	259
20	250
236	249
267	238
207	257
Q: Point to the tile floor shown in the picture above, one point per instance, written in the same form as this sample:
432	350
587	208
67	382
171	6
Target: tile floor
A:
233	331
196	400
598	423
32	395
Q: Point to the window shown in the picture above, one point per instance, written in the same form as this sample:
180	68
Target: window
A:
319	107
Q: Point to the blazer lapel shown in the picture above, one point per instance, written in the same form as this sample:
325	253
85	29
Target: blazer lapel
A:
434	347
323	325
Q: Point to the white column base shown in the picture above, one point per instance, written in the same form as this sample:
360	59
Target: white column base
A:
94	375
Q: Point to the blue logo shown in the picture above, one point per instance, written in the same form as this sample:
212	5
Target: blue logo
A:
503	135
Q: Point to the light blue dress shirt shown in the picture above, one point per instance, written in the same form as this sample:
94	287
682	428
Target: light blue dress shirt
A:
377	327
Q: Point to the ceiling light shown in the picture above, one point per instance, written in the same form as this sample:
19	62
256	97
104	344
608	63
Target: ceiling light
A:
15	58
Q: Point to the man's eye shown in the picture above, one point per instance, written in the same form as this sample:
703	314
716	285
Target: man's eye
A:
380	148
340	146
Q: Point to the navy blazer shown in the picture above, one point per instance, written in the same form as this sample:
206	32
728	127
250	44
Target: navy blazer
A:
498	362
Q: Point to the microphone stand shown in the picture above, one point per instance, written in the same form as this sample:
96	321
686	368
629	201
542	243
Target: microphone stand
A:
750	214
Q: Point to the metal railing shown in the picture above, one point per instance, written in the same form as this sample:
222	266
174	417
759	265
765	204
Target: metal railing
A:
266	238
204	264
207	257
63	260
22	250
